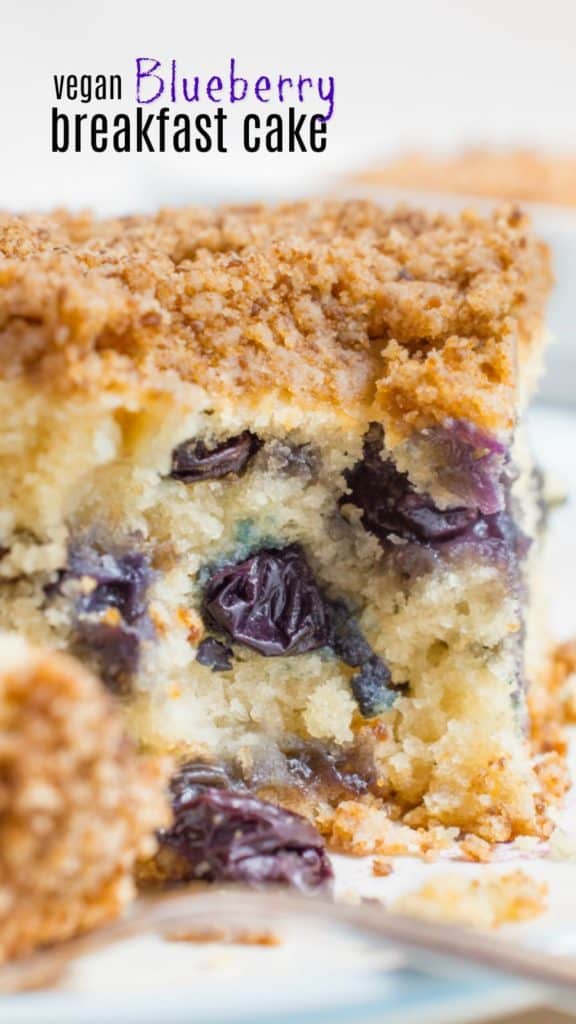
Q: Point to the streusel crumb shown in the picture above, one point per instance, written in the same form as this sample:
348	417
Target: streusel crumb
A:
77	806
400	316
476	849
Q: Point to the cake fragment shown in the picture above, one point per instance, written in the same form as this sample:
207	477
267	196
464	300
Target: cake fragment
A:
77	805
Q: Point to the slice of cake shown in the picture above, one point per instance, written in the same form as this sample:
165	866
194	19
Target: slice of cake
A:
77	806
261	469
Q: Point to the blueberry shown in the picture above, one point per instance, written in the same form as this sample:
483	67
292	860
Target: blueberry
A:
372	688
228	835
215	655
472	464
121	580
417	518
270	602
392	508
341	773
105	582
346	638
115	649
193	461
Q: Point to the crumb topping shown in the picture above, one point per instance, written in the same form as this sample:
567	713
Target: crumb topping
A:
400	315
77	806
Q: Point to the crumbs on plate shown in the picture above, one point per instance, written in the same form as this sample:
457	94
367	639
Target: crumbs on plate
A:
382	867
227	935
488	901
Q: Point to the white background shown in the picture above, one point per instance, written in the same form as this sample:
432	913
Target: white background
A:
407	72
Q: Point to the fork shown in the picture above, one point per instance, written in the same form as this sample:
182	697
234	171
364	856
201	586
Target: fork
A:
432	947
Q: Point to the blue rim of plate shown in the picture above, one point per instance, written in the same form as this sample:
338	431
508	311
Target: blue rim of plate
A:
407	997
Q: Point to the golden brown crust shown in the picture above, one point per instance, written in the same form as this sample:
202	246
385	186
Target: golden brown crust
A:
399	315
516	175
76	804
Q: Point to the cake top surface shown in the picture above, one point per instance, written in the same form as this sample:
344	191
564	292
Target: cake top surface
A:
398	315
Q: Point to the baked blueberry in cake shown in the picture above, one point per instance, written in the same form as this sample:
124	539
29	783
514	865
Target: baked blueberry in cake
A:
263	470
223	833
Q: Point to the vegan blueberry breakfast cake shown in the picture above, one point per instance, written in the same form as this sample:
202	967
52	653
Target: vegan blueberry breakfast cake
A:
78	806
262	471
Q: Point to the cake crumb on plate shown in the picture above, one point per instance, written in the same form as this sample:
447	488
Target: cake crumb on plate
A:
487	901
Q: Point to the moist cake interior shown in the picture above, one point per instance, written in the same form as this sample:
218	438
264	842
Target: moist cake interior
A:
308	615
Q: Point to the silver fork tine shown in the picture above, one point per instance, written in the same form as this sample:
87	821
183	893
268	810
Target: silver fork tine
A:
432	947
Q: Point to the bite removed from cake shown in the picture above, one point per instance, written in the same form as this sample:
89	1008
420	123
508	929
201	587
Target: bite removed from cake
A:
261	469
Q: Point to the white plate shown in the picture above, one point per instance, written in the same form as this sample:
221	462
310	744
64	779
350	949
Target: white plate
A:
321	975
